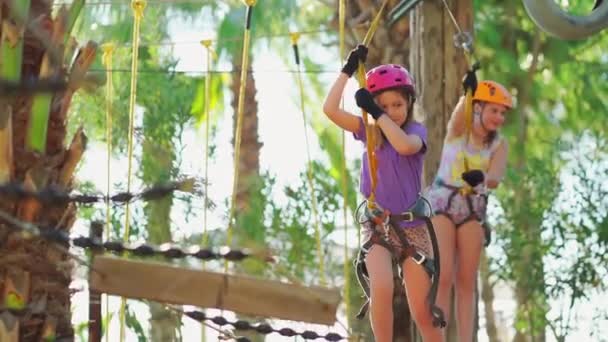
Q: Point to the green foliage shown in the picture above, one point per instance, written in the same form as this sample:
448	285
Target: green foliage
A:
558	98
133	323
216	100
292	226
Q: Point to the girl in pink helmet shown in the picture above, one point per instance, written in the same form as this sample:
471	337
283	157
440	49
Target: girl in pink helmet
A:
395	229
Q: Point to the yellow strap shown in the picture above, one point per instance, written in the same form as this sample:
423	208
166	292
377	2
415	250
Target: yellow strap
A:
138	7
108	51
342	21
294	40
371	154
294	37
239	124
468	121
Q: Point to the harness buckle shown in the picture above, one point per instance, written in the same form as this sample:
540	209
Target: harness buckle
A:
378	216
466	190
408	216
419	258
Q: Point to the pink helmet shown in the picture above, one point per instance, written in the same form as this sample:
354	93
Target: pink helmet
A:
388	76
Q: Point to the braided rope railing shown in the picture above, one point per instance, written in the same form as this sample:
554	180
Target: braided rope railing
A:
31	86
168	251
201	317
54	196
140	249
261	328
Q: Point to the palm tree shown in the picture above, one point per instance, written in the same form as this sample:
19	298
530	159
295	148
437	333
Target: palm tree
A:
35	273
267	17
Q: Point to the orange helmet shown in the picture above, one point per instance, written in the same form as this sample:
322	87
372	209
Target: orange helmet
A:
490	91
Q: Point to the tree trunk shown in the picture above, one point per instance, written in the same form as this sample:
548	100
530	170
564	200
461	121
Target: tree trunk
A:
438	66
529	286
487	295
249	161
37	269
157	166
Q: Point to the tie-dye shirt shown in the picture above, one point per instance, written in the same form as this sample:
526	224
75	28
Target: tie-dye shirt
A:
453	159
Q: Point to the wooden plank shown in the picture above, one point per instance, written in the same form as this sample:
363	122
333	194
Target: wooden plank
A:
95	316
246	295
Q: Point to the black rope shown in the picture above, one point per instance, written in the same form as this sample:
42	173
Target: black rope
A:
140	249
167	250
31	86
261	328
17	312
219	72
54	196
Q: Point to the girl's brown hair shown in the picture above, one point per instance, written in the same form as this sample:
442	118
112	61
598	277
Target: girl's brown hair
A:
489	139
408	94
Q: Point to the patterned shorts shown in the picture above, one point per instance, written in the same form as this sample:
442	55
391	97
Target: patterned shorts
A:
418	237
458	208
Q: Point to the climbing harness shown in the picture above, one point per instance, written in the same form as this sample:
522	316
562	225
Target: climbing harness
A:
389	223
466	192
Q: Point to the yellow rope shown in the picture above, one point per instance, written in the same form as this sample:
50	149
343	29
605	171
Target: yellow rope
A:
207	45
138	7
239	122
468	120
468	105
342	21
108	50
294	40
371	154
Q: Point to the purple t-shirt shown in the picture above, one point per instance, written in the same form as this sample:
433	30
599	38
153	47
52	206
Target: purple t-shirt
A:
399	177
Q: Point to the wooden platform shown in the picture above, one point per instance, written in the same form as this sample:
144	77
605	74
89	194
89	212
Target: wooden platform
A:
242	294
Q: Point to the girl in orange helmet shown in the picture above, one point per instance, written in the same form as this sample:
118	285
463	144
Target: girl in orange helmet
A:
471	163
